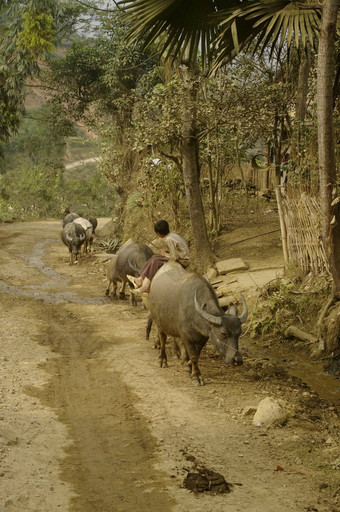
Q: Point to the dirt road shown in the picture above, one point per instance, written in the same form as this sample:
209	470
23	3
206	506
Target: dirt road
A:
90	423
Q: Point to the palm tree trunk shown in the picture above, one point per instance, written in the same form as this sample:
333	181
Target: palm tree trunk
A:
330	204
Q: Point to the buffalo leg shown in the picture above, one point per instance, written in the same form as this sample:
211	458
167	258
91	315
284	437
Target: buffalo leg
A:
133	298
196	374
148	328
182	351
195	371
122	290
114	290
107	291
162	356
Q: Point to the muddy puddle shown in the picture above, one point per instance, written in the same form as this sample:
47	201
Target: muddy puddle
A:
310	372
50	297
54	282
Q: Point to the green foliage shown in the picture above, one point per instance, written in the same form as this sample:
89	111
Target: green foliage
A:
38	142
160	180
27	32
39	193
96	79
33	182
10	110
37	33
134	201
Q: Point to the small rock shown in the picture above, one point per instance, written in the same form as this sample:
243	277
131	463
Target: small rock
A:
270	413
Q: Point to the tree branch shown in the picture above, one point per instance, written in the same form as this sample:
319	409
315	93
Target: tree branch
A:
98	8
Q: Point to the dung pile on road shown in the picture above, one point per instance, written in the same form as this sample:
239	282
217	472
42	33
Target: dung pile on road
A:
206	481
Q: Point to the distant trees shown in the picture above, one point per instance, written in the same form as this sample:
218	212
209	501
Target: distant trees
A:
28	31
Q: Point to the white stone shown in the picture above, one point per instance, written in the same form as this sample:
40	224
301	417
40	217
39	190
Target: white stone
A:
270	412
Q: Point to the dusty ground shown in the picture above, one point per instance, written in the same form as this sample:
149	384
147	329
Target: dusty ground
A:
90	423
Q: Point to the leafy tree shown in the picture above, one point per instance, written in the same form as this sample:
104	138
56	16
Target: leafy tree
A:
28	31
97	83
156	122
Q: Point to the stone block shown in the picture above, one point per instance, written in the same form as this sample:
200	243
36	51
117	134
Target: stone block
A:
231	265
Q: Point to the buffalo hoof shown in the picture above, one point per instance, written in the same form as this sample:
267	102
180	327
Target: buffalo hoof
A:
198	381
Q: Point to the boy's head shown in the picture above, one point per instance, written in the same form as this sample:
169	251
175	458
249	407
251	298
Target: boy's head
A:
161	227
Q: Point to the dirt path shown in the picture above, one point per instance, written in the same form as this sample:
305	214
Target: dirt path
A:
90	423
77	163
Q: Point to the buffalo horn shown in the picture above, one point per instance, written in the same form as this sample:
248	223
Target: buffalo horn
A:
69	237
81	237
244	315
212	319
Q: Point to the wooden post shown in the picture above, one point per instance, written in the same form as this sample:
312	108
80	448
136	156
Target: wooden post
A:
282	225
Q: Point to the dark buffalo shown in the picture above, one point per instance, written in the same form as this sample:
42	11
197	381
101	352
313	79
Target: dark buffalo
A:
112	277
73	235
130	259
94	223
87	226
184	305
69	218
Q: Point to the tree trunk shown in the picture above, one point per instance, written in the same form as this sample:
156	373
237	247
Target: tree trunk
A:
191	174
302	87
330	205
238	163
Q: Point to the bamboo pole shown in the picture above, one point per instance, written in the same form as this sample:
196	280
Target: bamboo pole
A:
282	225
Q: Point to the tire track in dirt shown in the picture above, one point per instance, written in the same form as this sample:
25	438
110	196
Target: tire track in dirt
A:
110	461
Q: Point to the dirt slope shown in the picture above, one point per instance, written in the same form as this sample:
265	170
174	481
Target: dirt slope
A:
90	423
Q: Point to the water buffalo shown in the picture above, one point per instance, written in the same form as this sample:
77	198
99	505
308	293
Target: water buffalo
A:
69	218
130	259
94	223
73	235
184	305
112	276
88	228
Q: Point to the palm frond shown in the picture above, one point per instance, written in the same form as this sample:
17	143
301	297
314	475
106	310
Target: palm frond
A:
219	29
149	19
269	22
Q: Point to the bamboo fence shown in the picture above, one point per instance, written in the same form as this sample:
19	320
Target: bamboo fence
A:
302	218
